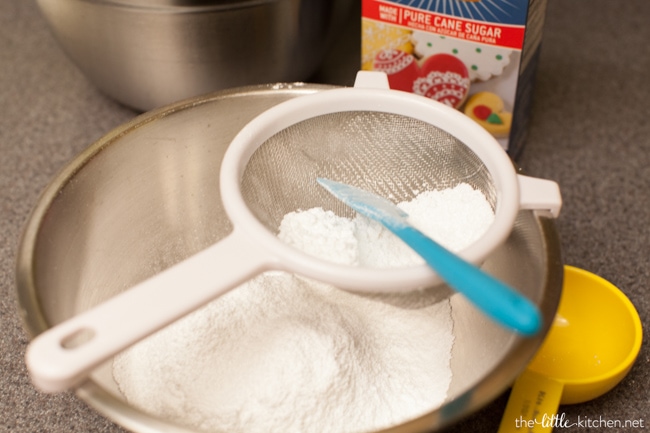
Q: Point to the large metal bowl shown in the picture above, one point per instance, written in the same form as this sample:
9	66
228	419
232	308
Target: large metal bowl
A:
149	53
146	196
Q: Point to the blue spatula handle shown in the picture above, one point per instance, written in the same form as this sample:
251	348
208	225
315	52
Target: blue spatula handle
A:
495	298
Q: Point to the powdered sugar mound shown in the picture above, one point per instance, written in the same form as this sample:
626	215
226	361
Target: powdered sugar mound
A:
454	217
285	354
321	234
282	353
379	248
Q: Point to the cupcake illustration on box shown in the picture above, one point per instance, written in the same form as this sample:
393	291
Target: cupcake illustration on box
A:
477	56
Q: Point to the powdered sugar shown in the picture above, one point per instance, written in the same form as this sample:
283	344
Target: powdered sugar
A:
282	354
454	217
285	354
321	234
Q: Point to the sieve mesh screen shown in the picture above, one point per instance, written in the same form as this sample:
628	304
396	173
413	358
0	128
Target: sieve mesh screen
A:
392	155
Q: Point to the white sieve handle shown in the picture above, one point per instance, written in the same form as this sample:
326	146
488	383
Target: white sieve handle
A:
371	80
539	194
62	357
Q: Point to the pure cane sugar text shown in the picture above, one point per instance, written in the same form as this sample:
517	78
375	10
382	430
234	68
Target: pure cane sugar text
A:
285	354
481	52
447	25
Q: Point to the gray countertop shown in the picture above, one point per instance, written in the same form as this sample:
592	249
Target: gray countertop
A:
590	132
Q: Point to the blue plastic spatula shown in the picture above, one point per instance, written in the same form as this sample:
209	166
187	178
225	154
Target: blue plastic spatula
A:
496	299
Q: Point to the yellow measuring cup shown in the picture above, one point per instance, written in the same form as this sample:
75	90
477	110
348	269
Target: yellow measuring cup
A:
592	344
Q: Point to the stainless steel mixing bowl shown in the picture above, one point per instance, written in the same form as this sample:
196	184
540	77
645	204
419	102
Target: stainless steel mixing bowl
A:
146	196
148	53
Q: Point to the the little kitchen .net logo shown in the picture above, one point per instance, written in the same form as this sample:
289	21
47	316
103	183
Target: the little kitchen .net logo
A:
547	422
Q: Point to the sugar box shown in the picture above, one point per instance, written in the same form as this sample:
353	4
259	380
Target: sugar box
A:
478	56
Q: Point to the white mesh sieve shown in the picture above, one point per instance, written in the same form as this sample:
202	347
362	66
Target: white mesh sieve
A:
392	155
